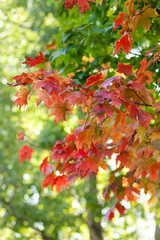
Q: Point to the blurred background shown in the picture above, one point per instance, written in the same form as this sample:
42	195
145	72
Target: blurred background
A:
27	211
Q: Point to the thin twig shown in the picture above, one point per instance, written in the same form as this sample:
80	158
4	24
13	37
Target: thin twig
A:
102	121
145	104
142	104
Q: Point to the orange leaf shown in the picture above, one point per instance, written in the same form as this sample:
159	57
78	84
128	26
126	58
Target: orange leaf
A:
45	97
59	110
44	166
124	68
143	18
125	42
25	152
36	60
22	97
83	5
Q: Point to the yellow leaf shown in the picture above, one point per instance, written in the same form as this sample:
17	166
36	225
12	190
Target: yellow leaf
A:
141	134
143	18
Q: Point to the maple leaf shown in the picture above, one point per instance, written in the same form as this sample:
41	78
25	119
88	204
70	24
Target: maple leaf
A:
59	182
110	214
49	179
50	85
142	17
83	5
153	174
59	151
126	69
108	81
120	208
43	96
125	42
157	106
59	110
36	60
119	20
143	117
20	136
70	3
124	158
44	166
23	79
87	167
22	97
25	152
94	79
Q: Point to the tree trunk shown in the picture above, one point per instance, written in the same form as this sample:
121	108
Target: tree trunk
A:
93	209
157	232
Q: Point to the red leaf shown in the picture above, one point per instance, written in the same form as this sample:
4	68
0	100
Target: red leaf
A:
83	5
110	214
124	158
20	136
119	20
51	85
143	117
120	208
44	166
22	97
23	79
48	180
108	81
36	60
70	3
87	167
59	182
153	174
94	79
125	42
59	110
25	152
45	97
124	68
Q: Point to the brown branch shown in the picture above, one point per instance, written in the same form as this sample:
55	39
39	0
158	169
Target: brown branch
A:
102	121
144	104
146	8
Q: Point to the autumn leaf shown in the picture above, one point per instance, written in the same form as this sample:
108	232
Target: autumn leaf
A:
110	214
22	97
108	81
20	136
44	166
125	43
43	96
125	69
153	174
60	182
49	84
120	208
25	152
119	20
87	167
36	60
94	80
142	17
83	5
59	110
49	179
23	79
143	117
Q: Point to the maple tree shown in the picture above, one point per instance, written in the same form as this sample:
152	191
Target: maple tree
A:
121	114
